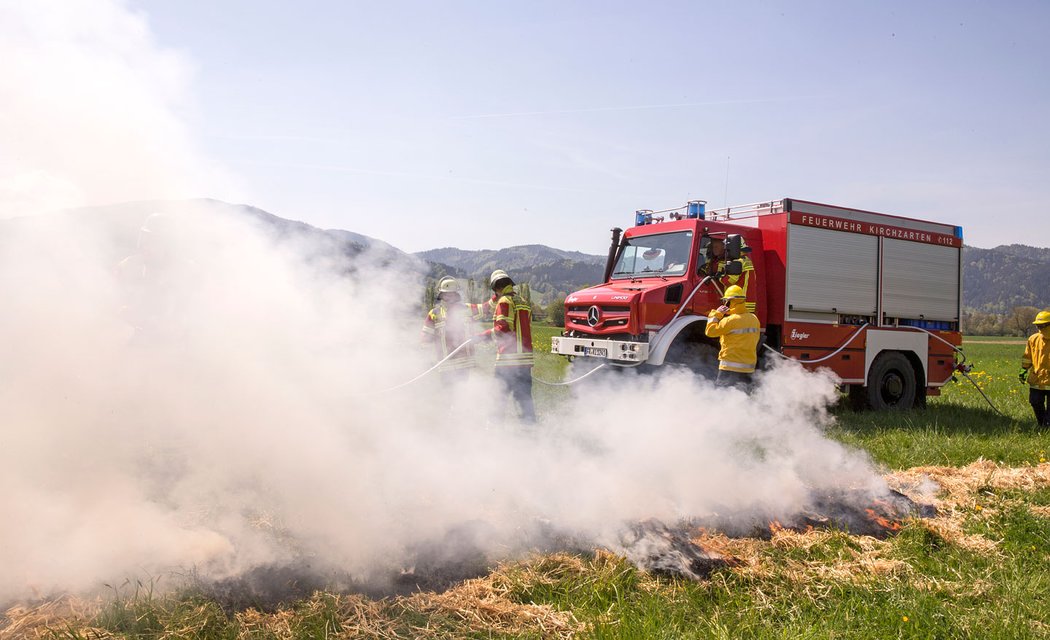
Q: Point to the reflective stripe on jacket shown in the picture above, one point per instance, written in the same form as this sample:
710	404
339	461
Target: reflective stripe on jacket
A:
715	265
738	333
512	330
449	326
1037	359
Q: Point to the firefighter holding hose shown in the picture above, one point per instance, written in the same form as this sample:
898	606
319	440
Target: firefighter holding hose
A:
449	324
512	332
1035	369
737	330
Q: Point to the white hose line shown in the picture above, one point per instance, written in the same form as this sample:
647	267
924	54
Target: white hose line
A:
575	380
934	335
926	331
427	372
687	300
832	354
965	372
567	382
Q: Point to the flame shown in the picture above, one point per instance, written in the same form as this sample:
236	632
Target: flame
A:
882	521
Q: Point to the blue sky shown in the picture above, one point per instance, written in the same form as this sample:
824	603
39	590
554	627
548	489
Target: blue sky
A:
489	124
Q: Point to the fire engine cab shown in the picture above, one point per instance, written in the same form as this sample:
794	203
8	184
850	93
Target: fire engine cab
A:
876	298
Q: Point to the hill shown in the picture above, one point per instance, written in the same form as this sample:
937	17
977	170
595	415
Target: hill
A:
550	273
999	279
994	280
122	222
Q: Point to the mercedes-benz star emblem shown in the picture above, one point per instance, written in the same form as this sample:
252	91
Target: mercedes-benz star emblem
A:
594	316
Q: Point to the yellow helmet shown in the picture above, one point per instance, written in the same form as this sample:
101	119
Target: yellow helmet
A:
734	292
1043	317
448	284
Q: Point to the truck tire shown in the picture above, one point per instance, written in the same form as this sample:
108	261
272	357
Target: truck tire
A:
891	383
699	357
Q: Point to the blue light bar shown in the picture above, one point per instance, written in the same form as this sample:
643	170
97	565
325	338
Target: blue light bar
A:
697	209
643	217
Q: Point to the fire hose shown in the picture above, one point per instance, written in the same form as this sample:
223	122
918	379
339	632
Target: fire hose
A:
467	342
964	369
428	371
844	345
961	366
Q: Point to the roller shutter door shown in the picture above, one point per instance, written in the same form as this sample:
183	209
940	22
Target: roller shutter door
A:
832	271
920	280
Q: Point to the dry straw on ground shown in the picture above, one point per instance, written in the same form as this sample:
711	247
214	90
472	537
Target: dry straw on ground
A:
44	619
489	605
961	490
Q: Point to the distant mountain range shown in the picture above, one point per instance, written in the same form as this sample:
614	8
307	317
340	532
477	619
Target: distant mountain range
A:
994	280
1013	275
551	273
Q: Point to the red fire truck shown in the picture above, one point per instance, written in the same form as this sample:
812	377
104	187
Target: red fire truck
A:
876	298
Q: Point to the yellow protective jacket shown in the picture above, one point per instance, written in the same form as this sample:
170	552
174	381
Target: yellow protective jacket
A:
738	333
449	325
1037	359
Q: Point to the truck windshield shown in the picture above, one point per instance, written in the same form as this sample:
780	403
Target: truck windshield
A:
661	254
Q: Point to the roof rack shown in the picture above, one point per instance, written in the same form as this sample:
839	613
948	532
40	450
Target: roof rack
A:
746	210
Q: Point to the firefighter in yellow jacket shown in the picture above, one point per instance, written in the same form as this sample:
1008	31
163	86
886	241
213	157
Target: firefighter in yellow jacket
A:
737	330
715	266
451	323
1035	369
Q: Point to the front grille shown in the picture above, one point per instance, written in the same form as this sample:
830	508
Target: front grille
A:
604	308
616	322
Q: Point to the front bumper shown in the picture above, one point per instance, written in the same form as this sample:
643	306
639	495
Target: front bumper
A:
614	350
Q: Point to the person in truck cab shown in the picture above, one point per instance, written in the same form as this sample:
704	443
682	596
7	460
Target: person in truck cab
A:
449	324
737	330
715	263
512	332
714	260
1035	369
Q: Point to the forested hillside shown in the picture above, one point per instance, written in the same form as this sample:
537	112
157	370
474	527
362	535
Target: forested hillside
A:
997	280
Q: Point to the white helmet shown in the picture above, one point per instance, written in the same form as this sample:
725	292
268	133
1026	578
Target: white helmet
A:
497	275
448	284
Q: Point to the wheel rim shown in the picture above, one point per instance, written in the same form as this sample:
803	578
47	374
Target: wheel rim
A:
892	388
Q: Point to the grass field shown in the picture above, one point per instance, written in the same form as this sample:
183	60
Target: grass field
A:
980	569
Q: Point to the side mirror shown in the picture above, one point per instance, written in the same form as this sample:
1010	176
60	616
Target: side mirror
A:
733	246
734	267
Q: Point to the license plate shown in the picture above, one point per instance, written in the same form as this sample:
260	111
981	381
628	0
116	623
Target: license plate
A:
595	351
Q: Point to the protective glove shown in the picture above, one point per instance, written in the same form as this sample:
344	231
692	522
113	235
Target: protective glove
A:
723	309
1023	375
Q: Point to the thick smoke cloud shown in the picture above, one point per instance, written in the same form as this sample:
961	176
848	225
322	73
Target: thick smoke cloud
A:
219	400
223	406
92	110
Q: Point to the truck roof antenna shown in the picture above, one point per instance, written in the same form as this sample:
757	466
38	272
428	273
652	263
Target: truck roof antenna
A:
725	196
